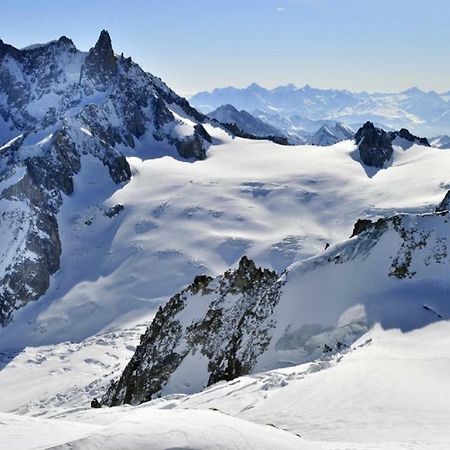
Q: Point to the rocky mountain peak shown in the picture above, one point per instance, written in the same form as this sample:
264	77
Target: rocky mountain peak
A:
104	44
51	127
66	41
231	335
100	65
375	145
6	49
245	275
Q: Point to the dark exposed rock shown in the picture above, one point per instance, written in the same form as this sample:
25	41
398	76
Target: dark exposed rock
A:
232	333
405	134
445	204
95	404
114	210
194	146
375	145
100	65
360	226
27	278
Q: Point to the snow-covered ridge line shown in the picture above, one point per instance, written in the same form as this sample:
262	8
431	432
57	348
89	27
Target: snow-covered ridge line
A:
250	320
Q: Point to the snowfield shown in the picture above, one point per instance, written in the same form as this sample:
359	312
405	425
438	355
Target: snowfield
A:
279	205
275	204
389	391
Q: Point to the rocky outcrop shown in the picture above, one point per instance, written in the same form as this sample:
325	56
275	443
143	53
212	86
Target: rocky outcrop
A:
407	136
228	336
445	204
193	147
100	65
374	144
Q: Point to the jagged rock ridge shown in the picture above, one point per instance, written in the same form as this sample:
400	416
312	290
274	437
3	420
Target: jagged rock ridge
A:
58	105
225	327
227	338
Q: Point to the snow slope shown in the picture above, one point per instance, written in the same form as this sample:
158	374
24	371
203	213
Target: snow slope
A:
389	391
151	429
276	204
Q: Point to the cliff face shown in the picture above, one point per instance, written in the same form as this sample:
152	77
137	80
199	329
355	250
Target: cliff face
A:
218	327
375	144
57	106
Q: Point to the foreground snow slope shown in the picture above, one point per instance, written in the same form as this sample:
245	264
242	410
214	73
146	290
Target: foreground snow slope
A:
147	428
389	392
276	204
390	387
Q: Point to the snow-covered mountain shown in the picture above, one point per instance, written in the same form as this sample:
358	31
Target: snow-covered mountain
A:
329	135
440	142
244	124
294	131
146	246
275	204
62	110
392	272
278	205
424	113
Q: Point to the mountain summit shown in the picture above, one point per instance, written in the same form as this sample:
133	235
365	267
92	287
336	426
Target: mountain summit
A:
101	63
62	110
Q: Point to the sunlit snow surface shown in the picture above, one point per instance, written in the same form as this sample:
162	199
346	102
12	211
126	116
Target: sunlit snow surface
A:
276	204
389	391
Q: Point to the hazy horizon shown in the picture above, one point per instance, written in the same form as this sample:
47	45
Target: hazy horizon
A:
310	85
358	45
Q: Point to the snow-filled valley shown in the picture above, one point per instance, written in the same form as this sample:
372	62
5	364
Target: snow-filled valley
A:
276	204
272	203
165	284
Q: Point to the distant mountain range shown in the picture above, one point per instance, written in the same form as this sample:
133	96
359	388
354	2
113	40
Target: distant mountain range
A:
242	123
305	109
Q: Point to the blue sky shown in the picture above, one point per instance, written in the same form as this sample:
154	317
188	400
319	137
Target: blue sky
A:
374	45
